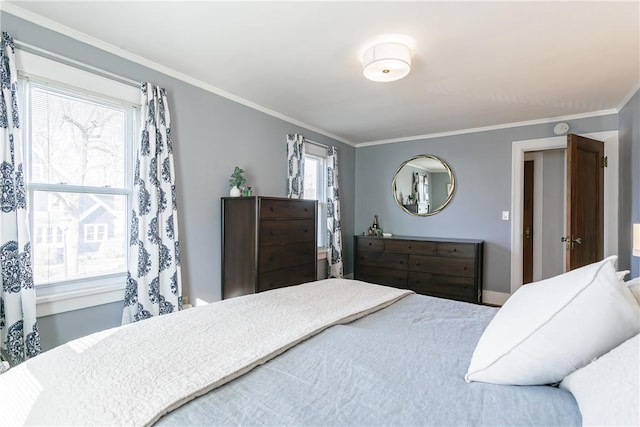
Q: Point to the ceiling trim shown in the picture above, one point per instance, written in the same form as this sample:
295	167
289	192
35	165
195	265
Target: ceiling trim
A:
628	97
493	127
107	47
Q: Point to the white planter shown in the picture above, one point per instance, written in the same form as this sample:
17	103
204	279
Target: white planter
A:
234	192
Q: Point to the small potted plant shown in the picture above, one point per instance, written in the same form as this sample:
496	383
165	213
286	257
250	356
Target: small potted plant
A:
236	182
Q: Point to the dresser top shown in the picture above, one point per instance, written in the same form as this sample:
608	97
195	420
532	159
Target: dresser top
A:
424	239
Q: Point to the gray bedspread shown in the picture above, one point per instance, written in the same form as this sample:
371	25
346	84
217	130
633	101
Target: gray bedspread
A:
403	365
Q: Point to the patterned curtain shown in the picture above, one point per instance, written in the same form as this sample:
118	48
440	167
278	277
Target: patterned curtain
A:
334	233
154	283
295	166
18	324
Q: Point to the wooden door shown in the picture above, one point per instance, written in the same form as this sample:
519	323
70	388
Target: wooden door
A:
527	224
584	237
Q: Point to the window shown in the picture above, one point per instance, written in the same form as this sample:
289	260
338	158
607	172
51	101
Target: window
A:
79	137
315	185
95	233
49	236
76	150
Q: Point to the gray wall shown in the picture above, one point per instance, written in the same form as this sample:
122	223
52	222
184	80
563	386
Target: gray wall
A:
481	163
212	135
630	178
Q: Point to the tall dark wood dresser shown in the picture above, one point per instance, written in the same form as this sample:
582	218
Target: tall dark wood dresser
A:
446	268
267	243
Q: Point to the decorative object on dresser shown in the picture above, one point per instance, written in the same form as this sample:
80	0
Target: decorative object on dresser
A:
236	182
267	243
447	268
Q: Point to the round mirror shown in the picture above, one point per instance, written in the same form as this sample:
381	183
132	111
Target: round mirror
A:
423	185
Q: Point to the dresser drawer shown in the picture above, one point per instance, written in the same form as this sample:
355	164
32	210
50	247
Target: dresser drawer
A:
439	265
410	246
382	276
279	231
370	244
460	250
276	257
287	209
389	260
286	277
453	287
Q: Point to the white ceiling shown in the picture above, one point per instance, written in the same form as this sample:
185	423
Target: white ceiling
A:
475	64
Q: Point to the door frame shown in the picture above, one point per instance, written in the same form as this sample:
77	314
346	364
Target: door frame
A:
519	148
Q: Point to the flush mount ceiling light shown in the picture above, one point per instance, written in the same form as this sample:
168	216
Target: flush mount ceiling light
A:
386	62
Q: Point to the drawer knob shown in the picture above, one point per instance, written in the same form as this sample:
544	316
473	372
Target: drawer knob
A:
370	243
408	246
418	263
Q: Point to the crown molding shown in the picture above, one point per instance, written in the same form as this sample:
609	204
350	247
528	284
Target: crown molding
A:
493	127
49	24
628	97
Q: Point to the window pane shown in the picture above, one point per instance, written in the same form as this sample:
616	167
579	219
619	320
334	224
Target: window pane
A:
310	178
83	236
76	141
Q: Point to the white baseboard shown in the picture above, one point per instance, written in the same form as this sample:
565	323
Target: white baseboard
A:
495	298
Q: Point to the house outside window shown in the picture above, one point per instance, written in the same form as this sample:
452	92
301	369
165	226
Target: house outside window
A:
315	185
79	132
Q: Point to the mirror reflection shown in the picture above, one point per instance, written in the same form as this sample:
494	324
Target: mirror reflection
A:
423	185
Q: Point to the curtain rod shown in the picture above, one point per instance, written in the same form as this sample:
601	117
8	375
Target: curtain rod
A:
73	63
316	143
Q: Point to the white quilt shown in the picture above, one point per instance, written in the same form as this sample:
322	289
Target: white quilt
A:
132	375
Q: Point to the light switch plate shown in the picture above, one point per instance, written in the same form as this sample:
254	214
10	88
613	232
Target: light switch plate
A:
505	215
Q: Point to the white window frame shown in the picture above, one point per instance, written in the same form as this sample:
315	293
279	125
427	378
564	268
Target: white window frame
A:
50	69
318	152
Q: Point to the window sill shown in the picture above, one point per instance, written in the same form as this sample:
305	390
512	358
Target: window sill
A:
51	301
322	253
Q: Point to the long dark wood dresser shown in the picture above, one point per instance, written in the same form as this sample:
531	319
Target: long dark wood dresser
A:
447	268
267	243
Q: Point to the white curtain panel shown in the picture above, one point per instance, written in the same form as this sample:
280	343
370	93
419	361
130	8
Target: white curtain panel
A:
18	325
295	166
154	283
334	230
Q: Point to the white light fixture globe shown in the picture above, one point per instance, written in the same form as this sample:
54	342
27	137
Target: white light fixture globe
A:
386	62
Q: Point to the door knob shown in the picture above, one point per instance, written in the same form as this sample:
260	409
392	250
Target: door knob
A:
570	241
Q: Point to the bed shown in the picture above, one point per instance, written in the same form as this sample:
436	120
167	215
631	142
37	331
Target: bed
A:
332	352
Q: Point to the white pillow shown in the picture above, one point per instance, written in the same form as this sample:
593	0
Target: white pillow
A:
608	390
548	329
634	287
